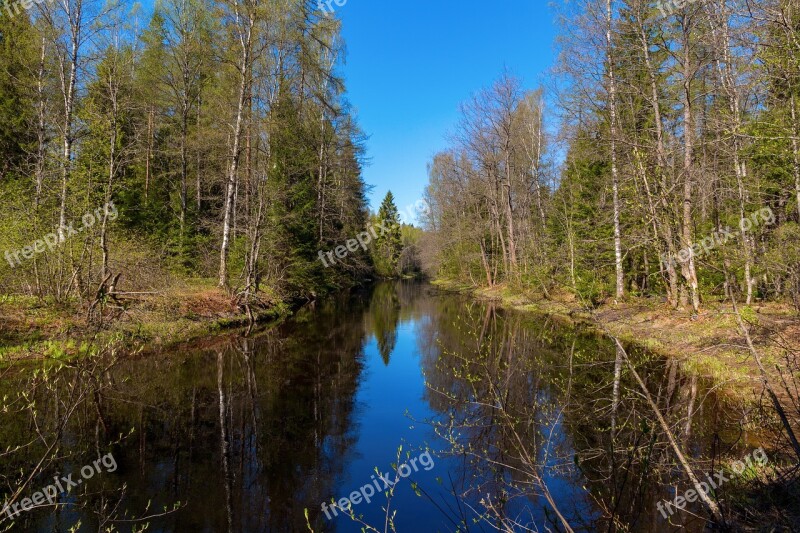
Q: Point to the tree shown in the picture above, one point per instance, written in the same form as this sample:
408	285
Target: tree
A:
389	243
612	106
241	24
17	61
241	102
107	153
182	36
678	126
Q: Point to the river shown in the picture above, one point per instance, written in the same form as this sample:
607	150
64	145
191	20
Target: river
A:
497	414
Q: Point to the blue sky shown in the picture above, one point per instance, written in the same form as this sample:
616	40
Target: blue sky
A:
410	63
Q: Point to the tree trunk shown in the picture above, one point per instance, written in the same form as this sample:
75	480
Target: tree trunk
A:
661	166
149	155
69	105
509	208
795	151
323	168
538	164
740	169
68	87
612	102
688	266
710	504
41	151
184	167
235	153
198	177
112	170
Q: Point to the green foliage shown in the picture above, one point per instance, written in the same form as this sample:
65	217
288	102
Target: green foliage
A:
389	244
17	55
583	228
409	262
676	146
152	125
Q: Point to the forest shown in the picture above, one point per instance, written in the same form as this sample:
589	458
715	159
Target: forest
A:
590	313
213	141
662	160
652	186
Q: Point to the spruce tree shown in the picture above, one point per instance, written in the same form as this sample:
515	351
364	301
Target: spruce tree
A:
390	242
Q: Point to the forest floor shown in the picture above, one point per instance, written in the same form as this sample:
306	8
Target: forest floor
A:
32	329
709	345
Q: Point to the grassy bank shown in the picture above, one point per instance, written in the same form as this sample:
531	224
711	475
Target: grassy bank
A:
32	328
709	345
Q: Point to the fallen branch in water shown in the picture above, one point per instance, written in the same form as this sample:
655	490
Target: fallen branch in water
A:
710	504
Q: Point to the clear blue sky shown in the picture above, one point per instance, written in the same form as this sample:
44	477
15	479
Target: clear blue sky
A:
411	62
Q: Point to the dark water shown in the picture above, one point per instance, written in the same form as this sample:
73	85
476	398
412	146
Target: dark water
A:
505	416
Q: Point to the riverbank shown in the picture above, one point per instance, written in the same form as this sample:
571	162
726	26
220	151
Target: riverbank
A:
31	328
709	345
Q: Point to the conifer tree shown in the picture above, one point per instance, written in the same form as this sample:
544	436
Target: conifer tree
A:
390	242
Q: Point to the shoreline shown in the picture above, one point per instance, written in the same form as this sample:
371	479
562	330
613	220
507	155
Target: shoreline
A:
34	330
709	345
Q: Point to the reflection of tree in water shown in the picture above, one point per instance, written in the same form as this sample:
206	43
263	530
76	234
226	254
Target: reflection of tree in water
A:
529	405
384	316
495	411
246	433
53	420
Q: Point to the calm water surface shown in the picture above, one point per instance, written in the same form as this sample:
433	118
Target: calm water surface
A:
251	432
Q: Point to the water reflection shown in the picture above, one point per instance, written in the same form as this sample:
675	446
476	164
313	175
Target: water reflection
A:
536	424
544	410
383	317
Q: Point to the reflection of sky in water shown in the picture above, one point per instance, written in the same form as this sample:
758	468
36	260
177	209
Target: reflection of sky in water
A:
391	410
